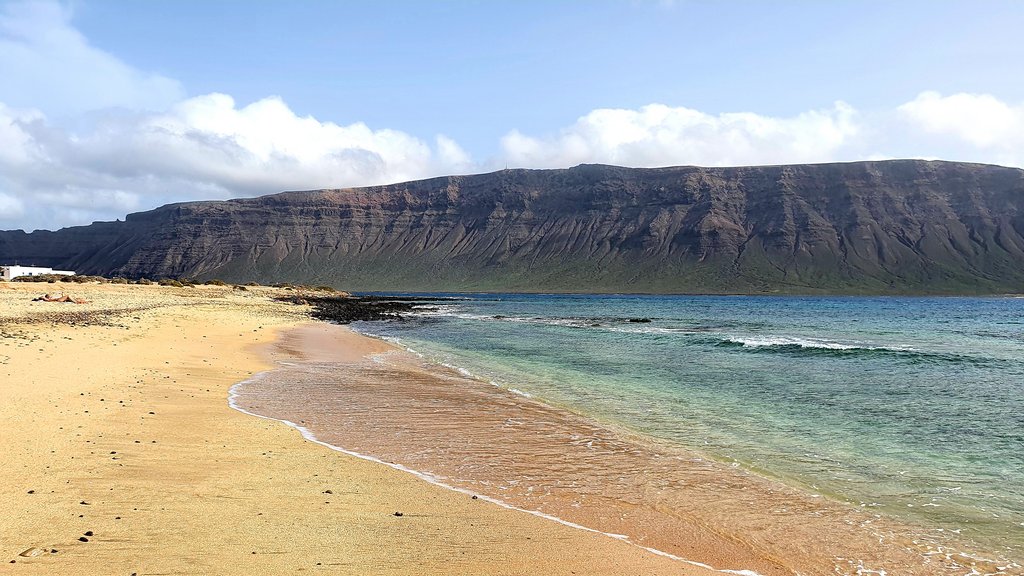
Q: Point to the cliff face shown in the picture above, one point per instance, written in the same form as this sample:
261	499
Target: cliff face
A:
866	227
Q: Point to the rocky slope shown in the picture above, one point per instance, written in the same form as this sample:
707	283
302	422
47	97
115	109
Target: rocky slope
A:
865	227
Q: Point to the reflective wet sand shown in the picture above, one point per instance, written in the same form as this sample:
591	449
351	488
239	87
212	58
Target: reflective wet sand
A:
367	397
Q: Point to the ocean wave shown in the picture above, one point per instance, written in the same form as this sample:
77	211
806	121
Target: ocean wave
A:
815	347
605	322
719	335
811	343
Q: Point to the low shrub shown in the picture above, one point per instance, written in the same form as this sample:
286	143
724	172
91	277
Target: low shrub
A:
82	279
215	282
171	282
51	278
144	281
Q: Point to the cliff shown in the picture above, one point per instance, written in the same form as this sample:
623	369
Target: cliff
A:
903	226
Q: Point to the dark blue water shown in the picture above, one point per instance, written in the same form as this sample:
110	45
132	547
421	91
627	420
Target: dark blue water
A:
911	406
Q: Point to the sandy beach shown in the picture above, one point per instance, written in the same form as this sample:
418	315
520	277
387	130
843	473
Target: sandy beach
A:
122	456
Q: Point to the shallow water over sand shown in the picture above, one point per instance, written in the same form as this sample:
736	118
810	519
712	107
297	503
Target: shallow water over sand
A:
911	407
469	434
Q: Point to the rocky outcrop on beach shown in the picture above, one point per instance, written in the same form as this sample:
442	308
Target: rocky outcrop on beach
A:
346	309
865	227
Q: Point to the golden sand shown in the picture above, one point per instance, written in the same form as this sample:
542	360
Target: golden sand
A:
121	455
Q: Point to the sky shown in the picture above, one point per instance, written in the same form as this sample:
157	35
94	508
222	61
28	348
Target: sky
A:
110	107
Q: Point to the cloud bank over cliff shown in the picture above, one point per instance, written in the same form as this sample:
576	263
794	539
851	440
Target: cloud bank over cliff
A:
85	136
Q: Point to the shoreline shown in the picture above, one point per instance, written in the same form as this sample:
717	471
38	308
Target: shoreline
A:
322	342
119	432
924	564
363	293
431	479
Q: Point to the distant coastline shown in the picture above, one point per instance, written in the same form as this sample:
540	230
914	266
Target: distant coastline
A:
897	227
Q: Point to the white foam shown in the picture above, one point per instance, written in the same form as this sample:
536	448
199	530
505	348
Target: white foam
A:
612	325
770	341
435	480
621	325
380	359
462	371
766	341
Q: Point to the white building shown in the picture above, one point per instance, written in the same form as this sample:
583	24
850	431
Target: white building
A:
11	272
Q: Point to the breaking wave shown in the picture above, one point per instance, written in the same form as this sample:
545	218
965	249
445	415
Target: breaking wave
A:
719	335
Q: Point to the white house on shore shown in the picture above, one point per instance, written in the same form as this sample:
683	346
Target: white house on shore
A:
10	272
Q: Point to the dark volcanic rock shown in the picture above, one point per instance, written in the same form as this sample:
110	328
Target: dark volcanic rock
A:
864	227
348	309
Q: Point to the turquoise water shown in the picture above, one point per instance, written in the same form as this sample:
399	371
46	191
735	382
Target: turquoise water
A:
913	407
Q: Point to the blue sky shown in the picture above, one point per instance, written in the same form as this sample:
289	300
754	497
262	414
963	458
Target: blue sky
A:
110	107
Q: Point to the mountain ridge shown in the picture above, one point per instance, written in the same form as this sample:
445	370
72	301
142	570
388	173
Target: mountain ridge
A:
877	227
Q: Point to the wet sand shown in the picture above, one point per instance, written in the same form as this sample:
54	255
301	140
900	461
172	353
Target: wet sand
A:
121	455
371	398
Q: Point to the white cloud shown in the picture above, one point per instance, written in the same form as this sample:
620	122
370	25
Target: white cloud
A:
209	147
659	135
16	145
46	63
260	147
205	147
11	208
451	154
981	120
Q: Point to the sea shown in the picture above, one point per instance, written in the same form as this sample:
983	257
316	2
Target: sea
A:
840	435
912	407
